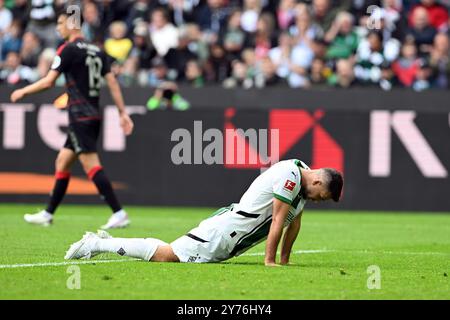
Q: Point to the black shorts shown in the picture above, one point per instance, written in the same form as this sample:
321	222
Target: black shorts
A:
82	136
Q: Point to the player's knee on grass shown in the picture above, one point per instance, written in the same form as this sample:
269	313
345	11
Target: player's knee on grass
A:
164	253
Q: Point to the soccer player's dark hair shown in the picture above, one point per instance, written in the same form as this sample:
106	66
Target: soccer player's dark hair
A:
335	183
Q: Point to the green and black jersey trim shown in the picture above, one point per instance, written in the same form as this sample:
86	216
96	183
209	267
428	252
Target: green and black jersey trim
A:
281	198
222	210
298	163
255	236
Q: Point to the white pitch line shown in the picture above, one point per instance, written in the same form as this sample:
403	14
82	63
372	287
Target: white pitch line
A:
57	264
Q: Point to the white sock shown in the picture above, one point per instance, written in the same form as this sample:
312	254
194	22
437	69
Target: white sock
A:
131	247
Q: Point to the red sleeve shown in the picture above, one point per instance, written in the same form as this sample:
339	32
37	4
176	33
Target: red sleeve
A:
60	49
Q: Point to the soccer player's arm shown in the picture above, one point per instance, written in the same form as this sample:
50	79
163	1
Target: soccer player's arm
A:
61	63
280	212
289	238
125	121
43	84
284	189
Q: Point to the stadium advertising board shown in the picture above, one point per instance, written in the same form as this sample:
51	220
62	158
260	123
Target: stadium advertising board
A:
392	159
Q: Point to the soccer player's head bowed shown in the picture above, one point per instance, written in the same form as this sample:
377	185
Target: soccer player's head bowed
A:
322	184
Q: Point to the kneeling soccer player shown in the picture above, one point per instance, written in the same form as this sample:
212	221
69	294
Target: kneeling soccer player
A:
273	201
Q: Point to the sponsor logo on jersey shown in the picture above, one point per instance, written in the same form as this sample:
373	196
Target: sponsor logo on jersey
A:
289	185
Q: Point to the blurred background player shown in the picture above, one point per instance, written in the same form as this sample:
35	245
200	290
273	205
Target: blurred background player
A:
84	66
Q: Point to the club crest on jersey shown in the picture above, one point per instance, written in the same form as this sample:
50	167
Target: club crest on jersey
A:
289	185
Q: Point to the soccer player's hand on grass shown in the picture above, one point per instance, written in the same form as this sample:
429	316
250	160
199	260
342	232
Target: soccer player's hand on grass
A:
16	95
126	123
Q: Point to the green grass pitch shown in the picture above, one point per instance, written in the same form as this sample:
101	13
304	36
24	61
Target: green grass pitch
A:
333	253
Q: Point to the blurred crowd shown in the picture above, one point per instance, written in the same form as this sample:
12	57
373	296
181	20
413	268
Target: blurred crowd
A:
241	43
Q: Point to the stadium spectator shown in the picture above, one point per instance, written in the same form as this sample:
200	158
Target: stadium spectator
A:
262	40
409	70
139	12
20	12
164	35
11	40
302	53
211	18
323	14
388	19
342	38
42	22
177	58
285	14
360	8
238	77
250	15
6	18
266	74
140	58
181	11
370	58
158	73
440	61
319	72
250	59
197	42
113	10
421	31
391	26
14	73
194	74
166	96
118	46
344	76
213	33
281	55
31	49
217	67
93	29
437	14
233	38
250	72
303	22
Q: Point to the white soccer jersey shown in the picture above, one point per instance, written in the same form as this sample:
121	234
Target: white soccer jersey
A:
235	229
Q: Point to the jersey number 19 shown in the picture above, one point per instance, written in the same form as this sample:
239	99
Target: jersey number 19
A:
95	76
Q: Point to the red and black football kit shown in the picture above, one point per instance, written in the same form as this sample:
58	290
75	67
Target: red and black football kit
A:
84	65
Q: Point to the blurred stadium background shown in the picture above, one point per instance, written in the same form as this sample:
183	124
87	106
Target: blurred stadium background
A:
359	85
